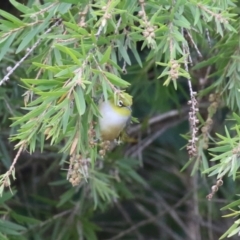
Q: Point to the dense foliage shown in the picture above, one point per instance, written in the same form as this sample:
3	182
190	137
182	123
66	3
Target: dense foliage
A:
180	62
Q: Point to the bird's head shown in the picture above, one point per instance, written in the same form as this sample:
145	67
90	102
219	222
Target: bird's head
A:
122	104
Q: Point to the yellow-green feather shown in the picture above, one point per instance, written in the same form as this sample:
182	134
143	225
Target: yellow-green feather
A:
114	117
126	99
124	111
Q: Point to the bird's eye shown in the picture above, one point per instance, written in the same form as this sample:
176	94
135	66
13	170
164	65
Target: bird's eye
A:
120	103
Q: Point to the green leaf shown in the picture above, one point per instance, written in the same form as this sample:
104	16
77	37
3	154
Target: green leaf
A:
63	8
76	28
5	157
89	229
23	219
101	188
5	25
196	16
113	79
27	39
44	82
104	89
22	8
65	117
3	237
66	196
182	22
1	190
106	55
10	228
68	72
69	1
5	47
231	205
51	94
136	55
232	228
6	196
69	51
79	100
11	18
208	62
219	28
122	50
33	33
233	232
116	80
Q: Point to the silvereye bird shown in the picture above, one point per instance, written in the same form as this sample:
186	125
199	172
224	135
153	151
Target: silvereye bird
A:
114	116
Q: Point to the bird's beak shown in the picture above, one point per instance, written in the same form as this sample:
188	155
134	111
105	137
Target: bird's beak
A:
129	108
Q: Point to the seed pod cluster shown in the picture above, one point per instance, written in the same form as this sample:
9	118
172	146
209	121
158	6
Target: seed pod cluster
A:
78	169
215	188
104	147
92	135
174	71
193	121
83	15
214	100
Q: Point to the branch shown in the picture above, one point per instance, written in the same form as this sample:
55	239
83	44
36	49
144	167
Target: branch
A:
192	145
149	220
6	77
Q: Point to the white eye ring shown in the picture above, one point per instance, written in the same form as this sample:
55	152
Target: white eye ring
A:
120	103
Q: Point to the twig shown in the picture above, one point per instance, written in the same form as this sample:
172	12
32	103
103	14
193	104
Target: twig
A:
103	23
194	44
192	207
149	220
44	9
5	179
203	80
105	77
161	117
19	28
192	146
127	217
143	12
83	15
136	149
8	106
217	16
171	212
160	224
118	25
208	37
215	188
47	221
6	77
